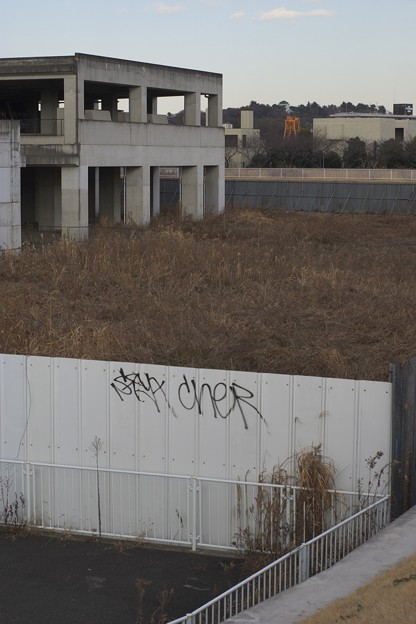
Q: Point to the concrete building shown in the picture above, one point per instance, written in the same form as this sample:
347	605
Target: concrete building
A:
241	143
79	148
368	127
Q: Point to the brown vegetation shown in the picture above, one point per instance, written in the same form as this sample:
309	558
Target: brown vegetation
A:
390	597
309	294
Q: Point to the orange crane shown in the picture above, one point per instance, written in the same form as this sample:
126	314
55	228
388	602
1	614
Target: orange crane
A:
292	126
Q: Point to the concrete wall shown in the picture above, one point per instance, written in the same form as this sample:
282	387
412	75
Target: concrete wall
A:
10	163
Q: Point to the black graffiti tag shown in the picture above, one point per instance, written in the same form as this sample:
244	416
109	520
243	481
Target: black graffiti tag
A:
189	397
141	385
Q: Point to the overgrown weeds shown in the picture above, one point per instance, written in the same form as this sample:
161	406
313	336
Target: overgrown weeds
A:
312	294
288	508
12	507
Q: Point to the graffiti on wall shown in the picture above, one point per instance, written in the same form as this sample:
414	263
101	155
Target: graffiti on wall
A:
220	400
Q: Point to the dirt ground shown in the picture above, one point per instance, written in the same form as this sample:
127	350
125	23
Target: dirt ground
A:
48	580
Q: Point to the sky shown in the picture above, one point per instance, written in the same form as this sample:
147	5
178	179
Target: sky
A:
325	51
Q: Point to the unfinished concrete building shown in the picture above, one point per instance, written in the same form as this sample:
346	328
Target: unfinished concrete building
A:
80	150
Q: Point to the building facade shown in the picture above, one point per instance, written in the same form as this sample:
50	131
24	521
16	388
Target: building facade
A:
241	143
370	128
80	148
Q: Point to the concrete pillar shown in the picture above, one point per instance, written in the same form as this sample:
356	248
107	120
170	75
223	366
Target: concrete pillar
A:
138	104
193	109
138	195
214	111
70	109
193	192
110	103
74	181
49	102
10	164
214	190
48	198
109	194
96	192
155	194
153	106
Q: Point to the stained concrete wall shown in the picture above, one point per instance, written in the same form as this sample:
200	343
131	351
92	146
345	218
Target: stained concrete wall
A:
10	163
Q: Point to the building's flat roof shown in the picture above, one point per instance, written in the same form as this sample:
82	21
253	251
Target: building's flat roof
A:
370	116
48	64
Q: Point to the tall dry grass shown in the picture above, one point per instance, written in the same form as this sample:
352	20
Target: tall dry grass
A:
310	294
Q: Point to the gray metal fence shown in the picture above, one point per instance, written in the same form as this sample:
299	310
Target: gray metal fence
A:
312	557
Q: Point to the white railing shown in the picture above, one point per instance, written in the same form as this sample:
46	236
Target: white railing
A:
312	557
391	175
173	509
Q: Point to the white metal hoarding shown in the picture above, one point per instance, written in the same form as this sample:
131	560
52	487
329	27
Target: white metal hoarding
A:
209	423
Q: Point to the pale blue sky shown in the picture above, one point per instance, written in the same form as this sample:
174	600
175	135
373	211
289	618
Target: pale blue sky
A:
267	50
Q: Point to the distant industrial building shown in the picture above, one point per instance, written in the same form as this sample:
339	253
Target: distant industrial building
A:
67	147
401	126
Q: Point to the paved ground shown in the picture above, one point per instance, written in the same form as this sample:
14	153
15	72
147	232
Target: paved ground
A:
389	547
45	580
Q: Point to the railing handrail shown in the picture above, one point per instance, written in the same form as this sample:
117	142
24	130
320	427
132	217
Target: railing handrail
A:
262	484
275	563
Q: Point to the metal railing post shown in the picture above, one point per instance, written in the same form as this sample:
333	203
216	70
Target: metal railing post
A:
194	518
28	492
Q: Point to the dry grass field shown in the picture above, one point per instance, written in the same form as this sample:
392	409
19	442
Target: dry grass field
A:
391	597
308	294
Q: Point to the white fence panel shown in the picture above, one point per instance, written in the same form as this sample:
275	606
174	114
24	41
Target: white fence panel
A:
208	423
13	409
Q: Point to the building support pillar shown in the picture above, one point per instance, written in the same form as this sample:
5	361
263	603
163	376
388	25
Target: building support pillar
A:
193	109
138	104
214	111
192	192
10	165
109	194
70	109
214	190
74	183
138	195
155	194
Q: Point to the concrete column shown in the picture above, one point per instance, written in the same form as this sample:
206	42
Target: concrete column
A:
10	164
155	195
48	198
138	195
74	182
110	103
96	192
193	192
193	109
214	190
138	104
49	102
153	106
214	111
70	109
109	194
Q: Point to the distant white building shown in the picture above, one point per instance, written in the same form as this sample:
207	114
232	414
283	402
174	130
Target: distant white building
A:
368	127
241	143
78	147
